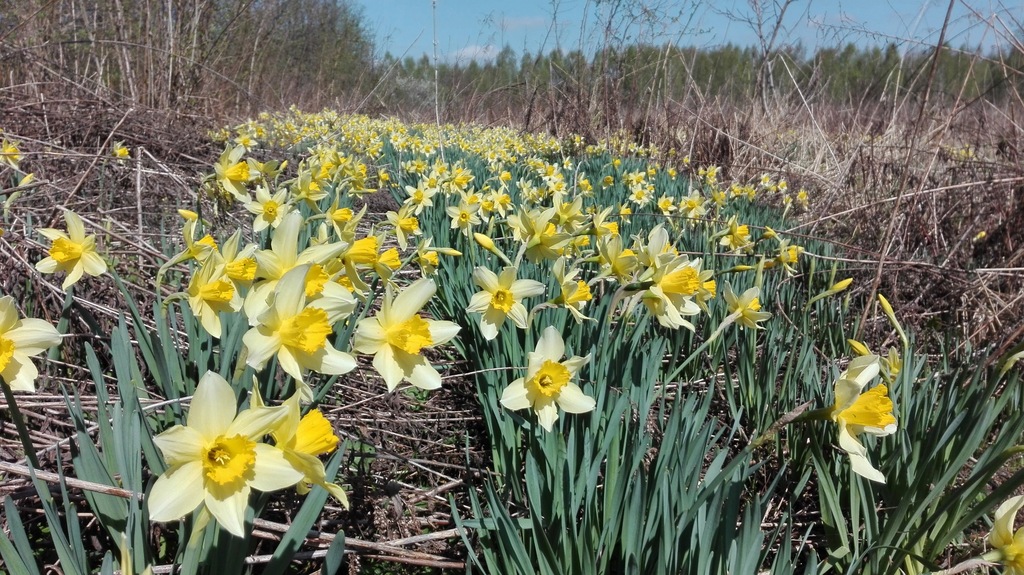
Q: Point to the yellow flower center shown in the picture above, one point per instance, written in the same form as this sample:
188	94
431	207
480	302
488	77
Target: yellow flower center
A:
418	196
754	305
315	435
270	210
306	331
430	258
219	291
1013	557
363	251
502	299
6	352
464	217
411	335
409	225
243	270
208	241
582	293
549	379
238	172
316	277
341	215
65	250
682	281
229	459
872	409
390	258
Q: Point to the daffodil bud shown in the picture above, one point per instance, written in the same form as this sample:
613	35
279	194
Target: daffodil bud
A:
484	241
858	347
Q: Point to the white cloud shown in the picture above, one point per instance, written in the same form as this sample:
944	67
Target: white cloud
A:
485	53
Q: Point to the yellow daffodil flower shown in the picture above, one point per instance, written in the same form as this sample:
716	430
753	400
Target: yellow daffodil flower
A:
269	210
283	256
1008	544
72	252
672	294
548	383
232	173
615	261
541	239
217	459
464	217
397	335
302	439
745	309
10	154
211	292
20	339
296	332
119	151
501	299
405	225
574	293
857	411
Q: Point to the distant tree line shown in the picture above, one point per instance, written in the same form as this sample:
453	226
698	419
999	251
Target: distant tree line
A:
616	84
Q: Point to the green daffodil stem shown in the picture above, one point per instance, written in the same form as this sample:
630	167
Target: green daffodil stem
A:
166	303
19	424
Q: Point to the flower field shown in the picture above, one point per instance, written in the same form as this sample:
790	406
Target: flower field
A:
650	367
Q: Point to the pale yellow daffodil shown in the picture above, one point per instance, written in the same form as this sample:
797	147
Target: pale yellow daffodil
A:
297	332
217	459
397	335
745	309
548	383
857	411
73	252
20	339
283	256
501	299
1008	544
269	210
302	439
211	292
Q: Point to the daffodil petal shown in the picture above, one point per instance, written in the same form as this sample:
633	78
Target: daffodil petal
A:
422	374
180	445
76	229
213	406
8	313
572	399
176	493
228	507
486	279
547	414
442	331
93	264
33	336
514	396
261	344
385	364
411	300
272	471
1002	525
20	374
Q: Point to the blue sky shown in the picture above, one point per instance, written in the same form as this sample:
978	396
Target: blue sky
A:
479	28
